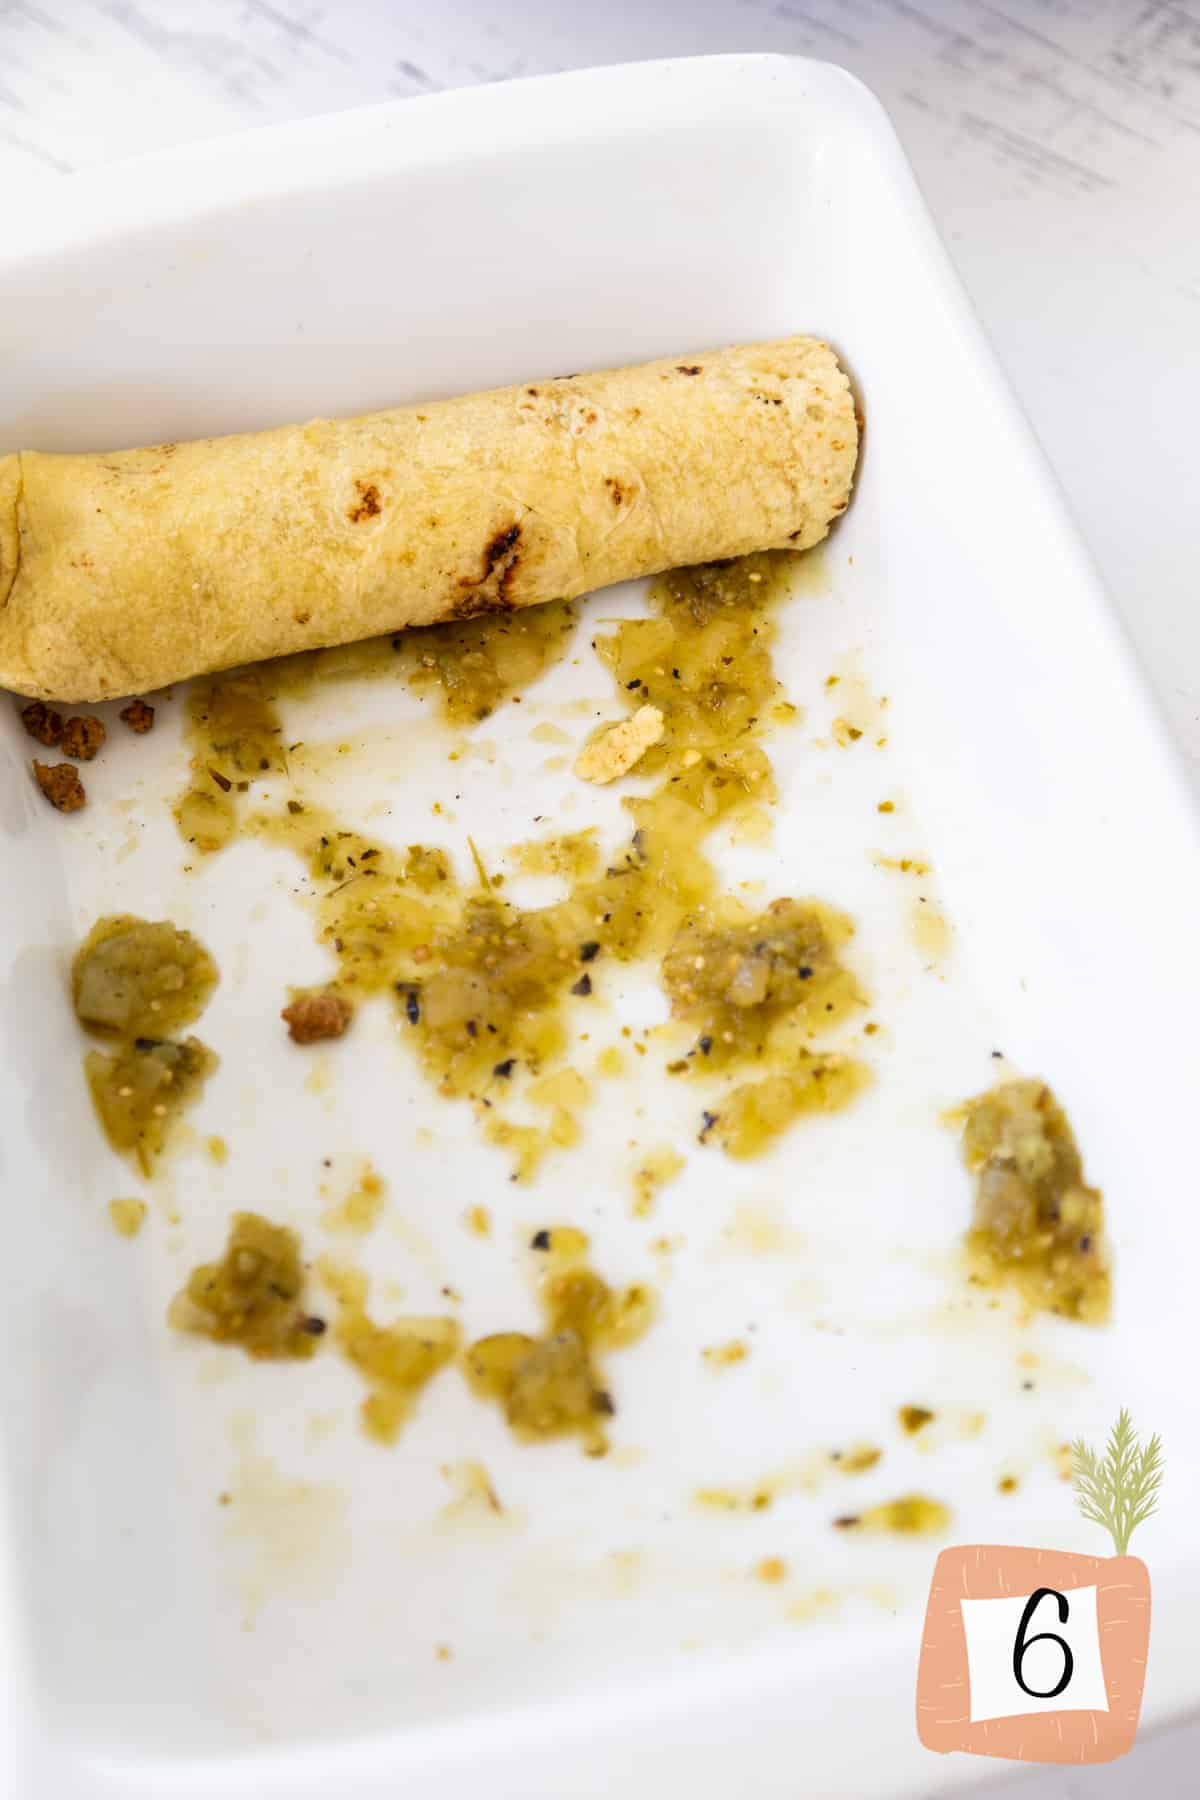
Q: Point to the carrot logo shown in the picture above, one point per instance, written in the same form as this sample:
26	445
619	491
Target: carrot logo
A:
1040	1655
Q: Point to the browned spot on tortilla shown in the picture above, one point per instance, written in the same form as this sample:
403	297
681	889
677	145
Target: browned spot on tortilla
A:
618	491
302	618
689	368
501	554
498	548
369	504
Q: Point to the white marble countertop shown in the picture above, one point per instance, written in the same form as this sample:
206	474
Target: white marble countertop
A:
1058	143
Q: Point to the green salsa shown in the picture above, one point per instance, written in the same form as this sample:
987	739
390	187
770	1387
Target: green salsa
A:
136	982
490	993
1038	1226
397	1361
136	978
254	1296
550	1386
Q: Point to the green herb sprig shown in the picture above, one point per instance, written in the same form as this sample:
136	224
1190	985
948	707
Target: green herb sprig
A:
1118	1490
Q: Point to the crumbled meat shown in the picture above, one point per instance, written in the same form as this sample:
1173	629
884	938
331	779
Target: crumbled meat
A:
617	750
83	736
42	723
61	785
316	1016
138	716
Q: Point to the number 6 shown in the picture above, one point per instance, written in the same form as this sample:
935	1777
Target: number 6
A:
1023	1643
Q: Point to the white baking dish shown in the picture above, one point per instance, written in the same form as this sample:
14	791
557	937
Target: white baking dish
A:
606	1635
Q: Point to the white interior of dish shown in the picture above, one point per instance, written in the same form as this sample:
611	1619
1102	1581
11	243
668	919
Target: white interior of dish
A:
463	242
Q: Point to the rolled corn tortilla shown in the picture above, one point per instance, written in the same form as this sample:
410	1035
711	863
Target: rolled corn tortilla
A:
120	573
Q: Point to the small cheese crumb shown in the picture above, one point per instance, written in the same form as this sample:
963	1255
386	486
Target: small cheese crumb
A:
617	750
